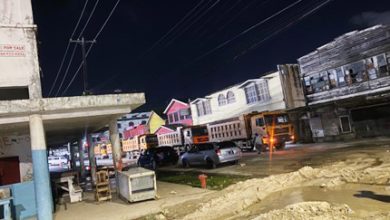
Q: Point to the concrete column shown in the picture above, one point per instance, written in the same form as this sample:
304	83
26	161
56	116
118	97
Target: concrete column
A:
115	144
92	160
43	197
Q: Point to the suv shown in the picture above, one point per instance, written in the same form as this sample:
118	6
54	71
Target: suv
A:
211	154
158	156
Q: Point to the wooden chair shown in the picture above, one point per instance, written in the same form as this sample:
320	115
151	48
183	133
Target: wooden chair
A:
103	191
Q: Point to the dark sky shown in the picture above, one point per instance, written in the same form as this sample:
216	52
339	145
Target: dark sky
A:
126	55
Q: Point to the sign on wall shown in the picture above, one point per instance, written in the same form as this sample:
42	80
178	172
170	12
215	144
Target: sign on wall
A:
12	50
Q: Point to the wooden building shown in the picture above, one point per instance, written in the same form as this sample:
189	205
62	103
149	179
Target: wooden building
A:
347	85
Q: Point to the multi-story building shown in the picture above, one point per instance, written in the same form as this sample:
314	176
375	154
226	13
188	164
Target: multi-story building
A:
134	124
179	116
178	112
266	93
347	85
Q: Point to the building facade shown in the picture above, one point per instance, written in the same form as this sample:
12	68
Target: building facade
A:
347	85
178	112
134	124
265	93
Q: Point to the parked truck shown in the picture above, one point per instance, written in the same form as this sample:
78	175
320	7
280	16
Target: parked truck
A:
274	129
139	142
183	137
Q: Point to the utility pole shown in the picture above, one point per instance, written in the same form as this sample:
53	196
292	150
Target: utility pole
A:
82	42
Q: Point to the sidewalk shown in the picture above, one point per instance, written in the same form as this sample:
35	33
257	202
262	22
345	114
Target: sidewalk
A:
169	194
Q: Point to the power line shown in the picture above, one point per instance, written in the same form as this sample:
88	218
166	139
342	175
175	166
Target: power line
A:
80	34
196	20
67	48
173	28
90	47
67	69
257	44
89	18
246	31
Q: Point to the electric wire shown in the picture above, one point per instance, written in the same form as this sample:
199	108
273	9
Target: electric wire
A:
171	29
245	31
188	26
257	44
90	47
67	48
74	49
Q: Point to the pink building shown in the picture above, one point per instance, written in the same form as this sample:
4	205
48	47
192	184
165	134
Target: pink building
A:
178	112
139	130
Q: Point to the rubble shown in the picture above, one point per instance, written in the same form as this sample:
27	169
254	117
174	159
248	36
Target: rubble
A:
238	197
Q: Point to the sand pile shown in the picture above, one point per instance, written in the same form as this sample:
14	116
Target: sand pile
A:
309	211
236	198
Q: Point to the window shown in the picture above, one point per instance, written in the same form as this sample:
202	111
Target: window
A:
221	100
257	92
120	135
259	122
203	107
207	107
170	118
251	94
143	122
381	65
230	97
345	124
119	125
332	75
308	86
176	116
200	109
262	91
355	72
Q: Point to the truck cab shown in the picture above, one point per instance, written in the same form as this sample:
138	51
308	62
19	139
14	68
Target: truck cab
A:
274	128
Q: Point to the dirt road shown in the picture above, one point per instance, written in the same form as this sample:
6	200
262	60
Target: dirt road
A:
359	171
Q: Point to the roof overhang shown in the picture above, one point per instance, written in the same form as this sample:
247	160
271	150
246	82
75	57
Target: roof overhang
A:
65	118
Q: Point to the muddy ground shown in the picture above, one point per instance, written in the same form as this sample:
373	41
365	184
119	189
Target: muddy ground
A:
348	182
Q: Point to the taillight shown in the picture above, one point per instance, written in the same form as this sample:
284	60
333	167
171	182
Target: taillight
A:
218	151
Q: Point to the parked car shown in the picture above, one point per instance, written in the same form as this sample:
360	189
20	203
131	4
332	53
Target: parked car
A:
211	154
153	157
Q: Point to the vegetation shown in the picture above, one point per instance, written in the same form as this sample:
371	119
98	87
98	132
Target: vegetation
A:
214	181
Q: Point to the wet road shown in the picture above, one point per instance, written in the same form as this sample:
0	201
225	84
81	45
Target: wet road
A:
295	157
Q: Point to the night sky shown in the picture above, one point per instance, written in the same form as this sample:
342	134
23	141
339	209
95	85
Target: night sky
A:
135	52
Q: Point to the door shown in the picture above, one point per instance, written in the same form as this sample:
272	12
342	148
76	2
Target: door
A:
9	170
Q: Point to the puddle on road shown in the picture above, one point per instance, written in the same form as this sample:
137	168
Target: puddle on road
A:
374	198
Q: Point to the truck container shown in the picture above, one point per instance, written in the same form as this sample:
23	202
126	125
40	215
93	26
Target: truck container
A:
273	128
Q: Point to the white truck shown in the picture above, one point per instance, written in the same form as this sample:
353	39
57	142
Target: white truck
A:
273	128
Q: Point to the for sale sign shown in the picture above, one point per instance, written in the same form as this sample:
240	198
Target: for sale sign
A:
12	50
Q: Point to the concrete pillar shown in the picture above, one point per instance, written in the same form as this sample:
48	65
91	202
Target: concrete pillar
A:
92	159
115	144
43	197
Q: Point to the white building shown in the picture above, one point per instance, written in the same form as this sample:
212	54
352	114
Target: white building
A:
260	94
